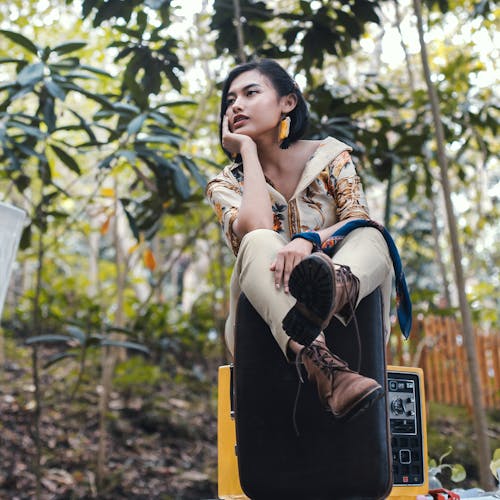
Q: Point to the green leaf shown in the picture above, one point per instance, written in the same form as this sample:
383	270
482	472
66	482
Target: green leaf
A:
85	126
194	171
142	22
290	35
365	11
412	187
119	329
30	74
68	160
40	339
77	333
7	85
22	182
67	47
306	7
458	473
78	75
102	100
5	60
58	357
126	344
172	78
32	131
25	238
135	125
97	71
49	113
139	93
495	464
24	91
184	102
131	220
57	214
106	162
54	90
182	183
162	139
21	40
87	7
67	63
27	151
129	155
95	339
124	107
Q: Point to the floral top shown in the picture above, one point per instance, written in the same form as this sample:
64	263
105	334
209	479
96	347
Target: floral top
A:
328	191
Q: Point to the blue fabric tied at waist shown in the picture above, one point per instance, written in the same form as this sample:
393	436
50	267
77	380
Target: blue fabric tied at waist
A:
403	301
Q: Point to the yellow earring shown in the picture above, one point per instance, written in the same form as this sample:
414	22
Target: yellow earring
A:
284	128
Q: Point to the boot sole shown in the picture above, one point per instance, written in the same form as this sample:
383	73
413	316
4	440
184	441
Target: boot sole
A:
312	283
360	407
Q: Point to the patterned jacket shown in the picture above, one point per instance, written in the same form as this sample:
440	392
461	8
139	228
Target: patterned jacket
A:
329	191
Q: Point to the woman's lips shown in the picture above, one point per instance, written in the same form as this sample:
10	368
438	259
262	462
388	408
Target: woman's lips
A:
239	122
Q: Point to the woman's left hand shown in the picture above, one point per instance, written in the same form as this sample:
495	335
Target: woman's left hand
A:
287	258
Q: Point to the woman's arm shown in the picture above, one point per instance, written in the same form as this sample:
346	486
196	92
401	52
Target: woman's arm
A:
255	211
347	191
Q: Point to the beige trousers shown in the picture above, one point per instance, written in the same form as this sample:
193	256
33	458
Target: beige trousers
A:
364	250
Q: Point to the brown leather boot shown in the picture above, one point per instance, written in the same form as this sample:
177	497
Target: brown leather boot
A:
322	290
342	391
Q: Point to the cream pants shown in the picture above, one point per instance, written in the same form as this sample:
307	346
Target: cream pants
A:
364	250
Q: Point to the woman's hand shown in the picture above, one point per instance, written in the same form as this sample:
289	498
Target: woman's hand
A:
287	258
233	142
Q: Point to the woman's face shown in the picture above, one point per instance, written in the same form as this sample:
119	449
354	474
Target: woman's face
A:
253	105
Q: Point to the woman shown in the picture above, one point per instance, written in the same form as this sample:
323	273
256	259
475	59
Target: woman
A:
279	202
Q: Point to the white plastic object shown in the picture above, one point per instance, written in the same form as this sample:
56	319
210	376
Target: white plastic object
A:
11	228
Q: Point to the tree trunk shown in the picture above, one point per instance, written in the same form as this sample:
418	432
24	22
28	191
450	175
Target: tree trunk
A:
110	355
239	31
411	79
388	199
37	412
435	231
221	313
437	250
479	413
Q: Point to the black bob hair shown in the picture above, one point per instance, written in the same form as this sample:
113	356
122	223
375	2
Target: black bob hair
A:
283	84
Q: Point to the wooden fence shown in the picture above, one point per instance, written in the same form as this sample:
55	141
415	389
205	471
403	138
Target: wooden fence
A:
437	346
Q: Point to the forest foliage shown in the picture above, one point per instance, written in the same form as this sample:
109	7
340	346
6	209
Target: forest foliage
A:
108	134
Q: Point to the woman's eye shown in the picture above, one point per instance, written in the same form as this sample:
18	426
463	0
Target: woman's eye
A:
251	92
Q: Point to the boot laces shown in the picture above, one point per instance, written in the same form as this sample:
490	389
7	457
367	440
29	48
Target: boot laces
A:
319	353
325	360
343	276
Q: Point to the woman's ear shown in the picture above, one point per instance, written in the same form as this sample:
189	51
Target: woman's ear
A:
288	103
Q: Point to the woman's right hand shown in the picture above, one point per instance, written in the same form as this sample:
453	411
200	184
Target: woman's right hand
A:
233	142
287	258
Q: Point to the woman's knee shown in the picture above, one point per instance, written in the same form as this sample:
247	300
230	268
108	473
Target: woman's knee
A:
261	238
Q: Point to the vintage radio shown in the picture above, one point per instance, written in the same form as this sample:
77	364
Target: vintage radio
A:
407	424
274	445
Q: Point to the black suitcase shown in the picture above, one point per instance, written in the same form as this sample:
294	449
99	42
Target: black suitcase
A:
328	460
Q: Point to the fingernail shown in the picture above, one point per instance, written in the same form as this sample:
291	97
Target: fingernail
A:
277	285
